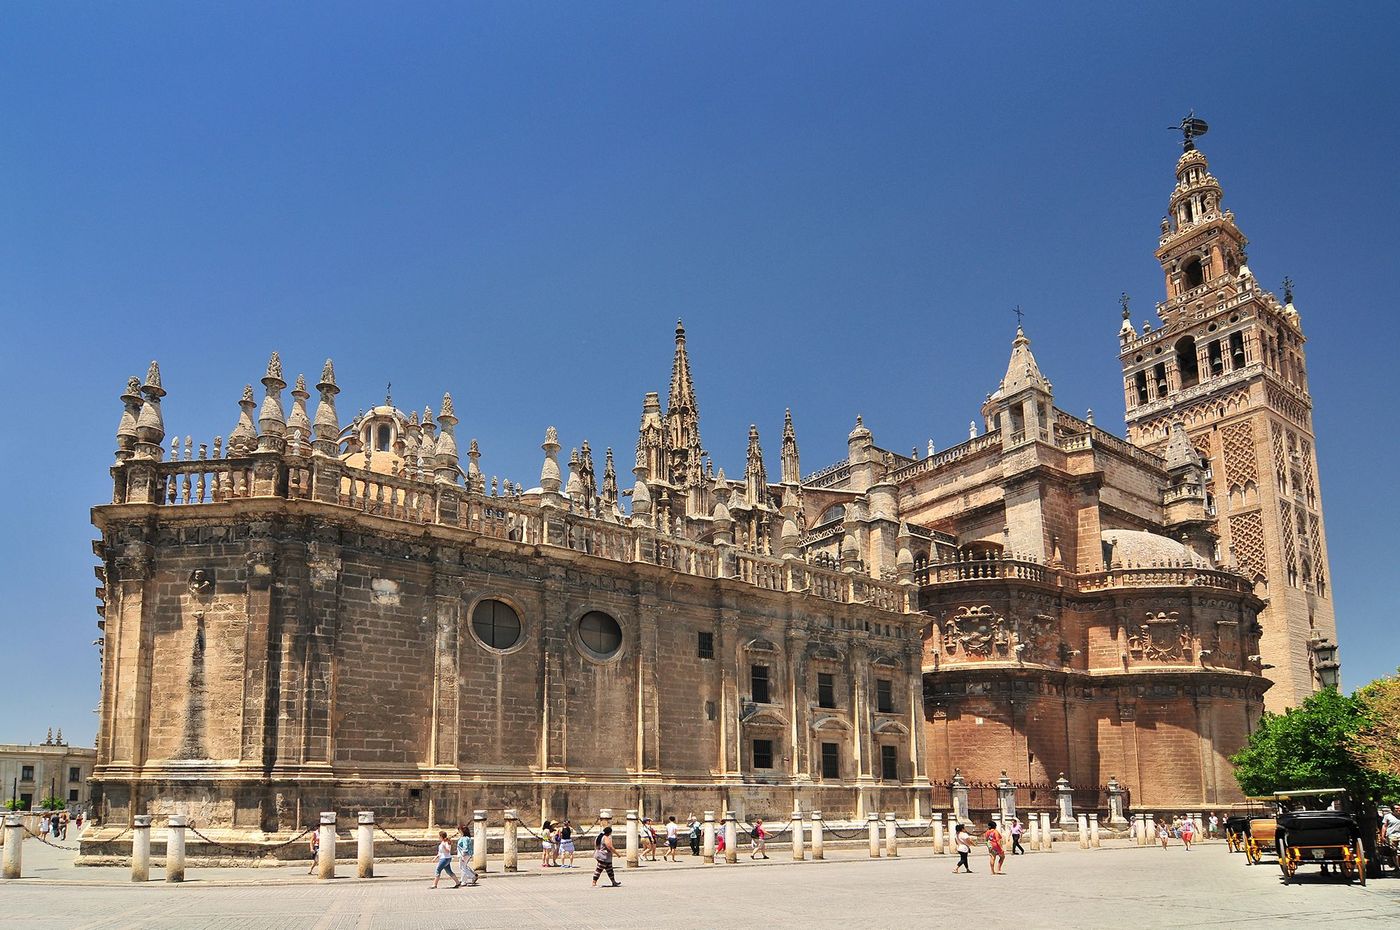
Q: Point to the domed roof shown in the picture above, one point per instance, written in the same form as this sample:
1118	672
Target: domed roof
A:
1139	547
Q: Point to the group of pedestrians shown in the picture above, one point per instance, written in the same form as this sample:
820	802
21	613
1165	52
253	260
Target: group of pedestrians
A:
996	849
463	850
1183	828
55	825
557	849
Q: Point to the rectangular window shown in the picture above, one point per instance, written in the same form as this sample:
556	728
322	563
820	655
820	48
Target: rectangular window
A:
758	679
72	795
884	695
826	689
709	710
889	763
26	773
705	645
75	773
26	802
763	753
831	760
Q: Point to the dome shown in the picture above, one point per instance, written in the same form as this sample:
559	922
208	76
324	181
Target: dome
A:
1139	547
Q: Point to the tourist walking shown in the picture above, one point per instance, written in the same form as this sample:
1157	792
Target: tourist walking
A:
962	842
603	855
995	852
1212	825
1188	832
673	839
466	848
1164	832
315	844
444	861
696	834
758	841
1016	829
566	844
648	839
44	827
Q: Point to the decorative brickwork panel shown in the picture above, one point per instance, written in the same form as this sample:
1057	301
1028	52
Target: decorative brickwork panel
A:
1280	460
1315	536
1237	443
1247	541
1290	559
1309	478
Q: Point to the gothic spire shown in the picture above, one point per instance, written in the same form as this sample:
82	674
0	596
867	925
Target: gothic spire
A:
126	427
272	422
150	424
327	424
1022	372
682	390
755	477
609	481
298	423
244	438
446	449
791	472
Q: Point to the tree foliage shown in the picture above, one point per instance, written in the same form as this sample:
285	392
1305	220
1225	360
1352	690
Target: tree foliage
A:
1377	745
1314	746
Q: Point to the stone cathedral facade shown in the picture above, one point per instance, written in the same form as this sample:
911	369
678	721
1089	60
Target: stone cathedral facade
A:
311	615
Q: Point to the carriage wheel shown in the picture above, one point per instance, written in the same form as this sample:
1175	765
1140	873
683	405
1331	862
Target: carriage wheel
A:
1287	866
1359	863
1251	853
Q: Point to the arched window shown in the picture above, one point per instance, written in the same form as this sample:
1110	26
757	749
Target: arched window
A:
599	635
1187	368
496	624
382	437
1192	275
832	514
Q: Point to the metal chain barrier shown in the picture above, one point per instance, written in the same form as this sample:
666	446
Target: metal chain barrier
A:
47	842
858	831
412	844
909	834
256	853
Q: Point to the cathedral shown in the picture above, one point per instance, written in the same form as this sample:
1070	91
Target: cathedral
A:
311	615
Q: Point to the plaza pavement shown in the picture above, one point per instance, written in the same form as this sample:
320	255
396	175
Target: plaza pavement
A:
1119	886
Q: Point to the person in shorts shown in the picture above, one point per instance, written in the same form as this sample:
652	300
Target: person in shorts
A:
547	847
995	852
566	845
673	838
759	841
444	861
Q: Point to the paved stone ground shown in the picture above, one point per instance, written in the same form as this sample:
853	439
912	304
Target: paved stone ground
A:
1114	887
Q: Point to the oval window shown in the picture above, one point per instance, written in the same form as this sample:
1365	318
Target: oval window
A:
496	624
599	634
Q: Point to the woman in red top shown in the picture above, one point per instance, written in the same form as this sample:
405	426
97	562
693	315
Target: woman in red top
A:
994	849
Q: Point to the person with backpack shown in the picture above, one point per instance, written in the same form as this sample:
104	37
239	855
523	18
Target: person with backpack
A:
603	855
759	841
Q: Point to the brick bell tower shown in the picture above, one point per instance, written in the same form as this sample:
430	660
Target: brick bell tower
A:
1226	360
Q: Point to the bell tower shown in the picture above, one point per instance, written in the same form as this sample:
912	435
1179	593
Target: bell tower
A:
1225	360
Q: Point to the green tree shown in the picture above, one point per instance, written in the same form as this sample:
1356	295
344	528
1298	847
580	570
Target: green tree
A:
1312	746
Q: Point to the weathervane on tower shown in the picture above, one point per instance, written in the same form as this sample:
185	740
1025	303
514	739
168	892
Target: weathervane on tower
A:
1190	127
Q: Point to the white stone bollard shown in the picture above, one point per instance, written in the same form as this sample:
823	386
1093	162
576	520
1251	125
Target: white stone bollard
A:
1034	822
634	840
325	859
799	846
175	848
937	830
364	845
891	836
14	845
818	852
510	843
141	848
479	842
731	837
1083	831
1046	840
707	841
872	827
1094	837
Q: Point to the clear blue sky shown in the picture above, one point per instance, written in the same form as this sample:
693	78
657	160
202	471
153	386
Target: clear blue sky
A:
516	201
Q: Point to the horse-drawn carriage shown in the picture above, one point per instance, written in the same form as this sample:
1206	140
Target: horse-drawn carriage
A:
1236	832
1329	837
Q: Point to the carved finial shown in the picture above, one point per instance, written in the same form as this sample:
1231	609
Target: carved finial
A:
153	377
1287	290
1123	300
327	374
389	394
274	367
447	410
300	384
